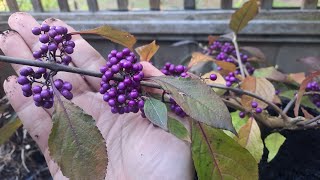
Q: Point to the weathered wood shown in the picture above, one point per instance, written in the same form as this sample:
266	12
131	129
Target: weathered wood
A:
309	4
226	4
122	5
154	5
13	5
266	4
63	5
93	5
189	4
37	5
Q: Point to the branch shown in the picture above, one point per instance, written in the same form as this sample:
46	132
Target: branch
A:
235	43
59	67
240	91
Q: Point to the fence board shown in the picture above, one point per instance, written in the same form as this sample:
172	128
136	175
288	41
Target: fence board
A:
226	4
123	5
154	4
13	6
309	4
93	5
189	4
37	6
266	4
63	5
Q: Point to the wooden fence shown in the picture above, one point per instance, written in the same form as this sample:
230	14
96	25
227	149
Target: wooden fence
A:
284	34
153	4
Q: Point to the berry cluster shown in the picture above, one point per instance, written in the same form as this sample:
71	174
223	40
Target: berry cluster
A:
254	105
315	98
56	44
176	108
176	71
122	96
179	70
226	52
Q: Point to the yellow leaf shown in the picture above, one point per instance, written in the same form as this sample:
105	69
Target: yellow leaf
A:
147	51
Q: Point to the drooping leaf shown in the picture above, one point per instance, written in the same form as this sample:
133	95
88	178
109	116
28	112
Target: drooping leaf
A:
197	100
273	143
255	53
242	16
302	90
199	57
217	156
250	138
7	130
176	128
147	51
76	144
312	62
220	80
270	73
156	112
259	86
113	34
184	42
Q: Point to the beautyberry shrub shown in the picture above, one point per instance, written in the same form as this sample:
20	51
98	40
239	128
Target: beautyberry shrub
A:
56	46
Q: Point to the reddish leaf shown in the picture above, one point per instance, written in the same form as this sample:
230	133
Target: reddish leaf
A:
147	51
116	35
302	89
212	39
312	62
306	114
260	86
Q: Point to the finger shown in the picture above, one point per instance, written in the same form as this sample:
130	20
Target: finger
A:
23	23
84	56
36	120
11	39
149	70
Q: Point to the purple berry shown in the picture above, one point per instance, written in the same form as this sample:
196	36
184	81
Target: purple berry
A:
254	104
45	93
37	89
58	83
67	86
242	114
67	94
45	27
121	98
37	98
44	38
213	77
36	31
111	102
22	80
26	87
258	110
68	49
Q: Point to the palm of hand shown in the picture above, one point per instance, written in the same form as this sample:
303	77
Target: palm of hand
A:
136	149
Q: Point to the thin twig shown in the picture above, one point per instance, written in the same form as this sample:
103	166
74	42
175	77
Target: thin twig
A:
235	43
289	105
240	91
311	120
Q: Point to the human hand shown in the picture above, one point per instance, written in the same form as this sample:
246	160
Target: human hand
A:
136	149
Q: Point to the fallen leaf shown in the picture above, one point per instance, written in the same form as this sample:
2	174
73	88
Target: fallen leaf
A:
147	51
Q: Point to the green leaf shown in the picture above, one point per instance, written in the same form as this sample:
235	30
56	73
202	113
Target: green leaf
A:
76	144
250	138
270	73
198	100
273	143
156	111
237	123
242	16
113	34
176	128
9	129
217	156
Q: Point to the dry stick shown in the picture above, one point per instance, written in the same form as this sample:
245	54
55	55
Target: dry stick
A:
235	43
59	67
